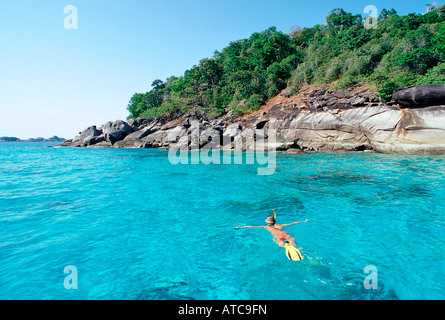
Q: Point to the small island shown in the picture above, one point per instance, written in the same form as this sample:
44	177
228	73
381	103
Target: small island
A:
39	139
341	86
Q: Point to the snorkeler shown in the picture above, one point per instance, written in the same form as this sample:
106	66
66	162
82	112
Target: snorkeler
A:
282	238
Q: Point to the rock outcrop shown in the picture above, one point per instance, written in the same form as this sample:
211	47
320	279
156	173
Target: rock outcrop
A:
313	120
116	131
420	96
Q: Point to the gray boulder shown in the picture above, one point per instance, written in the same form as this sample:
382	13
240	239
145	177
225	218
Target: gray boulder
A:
154	140
90	132
116	131
232	130
135	138
210	136
94	140
173	135
87	137
420	96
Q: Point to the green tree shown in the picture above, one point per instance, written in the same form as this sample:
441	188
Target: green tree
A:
385	14
435	75
338	20
155	96
135	106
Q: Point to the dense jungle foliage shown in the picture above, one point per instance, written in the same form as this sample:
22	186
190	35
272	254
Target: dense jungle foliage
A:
399	51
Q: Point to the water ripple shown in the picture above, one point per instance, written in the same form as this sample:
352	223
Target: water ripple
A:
137	227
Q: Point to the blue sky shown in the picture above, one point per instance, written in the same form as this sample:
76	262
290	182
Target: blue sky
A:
55	81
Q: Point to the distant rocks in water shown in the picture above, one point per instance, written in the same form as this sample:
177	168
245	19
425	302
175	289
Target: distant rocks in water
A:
9	139
40	139
315	119
55	139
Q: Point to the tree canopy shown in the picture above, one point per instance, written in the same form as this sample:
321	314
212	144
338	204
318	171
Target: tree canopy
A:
401	51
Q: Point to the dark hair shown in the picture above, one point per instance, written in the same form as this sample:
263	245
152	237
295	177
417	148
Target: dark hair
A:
271	218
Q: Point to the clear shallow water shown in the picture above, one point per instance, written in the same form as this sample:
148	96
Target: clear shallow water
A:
137	227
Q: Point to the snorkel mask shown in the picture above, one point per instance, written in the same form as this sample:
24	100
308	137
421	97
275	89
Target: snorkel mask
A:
272	219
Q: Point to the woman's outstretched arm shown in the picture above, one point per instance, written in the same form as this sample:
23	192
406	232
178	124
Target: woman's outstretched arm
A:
290	224
250	227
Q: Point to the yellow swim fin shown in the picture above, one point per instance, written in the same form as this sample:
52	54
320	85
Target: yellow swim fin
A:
292	253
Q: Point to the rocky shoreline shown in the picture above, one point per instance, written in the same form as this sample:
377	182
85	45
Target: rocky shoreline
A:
315	119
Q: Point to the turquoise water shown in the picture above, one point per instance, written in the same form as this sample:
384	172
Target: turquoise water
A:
137	227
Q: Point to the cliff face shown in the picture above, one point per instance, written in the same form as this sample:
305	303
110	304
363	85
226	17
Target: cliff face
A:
324	120
383	128
315	119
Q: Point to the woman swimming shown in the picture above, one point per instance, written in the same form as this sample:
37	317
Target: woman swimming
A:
280	236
